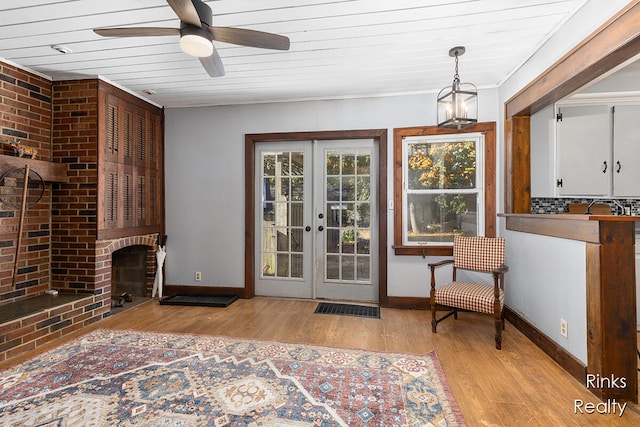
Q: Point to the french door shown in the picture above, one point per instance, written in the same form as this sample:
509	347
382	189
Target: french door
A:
316	220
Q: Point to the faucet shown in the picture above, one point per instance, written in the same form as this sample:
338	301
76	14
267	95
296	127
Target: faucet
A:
618	206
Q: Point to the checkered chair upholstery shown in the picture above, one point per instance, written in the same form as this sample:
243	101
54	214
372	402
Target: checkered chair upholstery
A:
475	253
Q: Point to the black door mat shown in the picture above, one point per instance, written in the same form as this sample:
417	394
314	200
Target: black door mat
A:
348	310
199	299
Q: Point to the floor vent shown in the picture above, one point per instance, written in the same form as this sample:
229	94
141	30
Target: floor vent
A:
199	299
348	310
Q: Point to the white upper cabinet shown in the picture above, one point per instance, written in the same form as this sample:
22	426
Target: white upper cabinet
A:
626	150
583	137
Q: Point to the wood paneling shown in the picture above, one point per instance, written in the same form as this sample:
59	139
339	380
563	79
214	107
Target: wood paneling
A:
130	166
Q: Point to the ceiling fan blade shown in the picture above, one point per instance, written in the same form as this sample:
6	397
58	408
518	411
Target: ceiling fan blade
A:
186	11
136	32
213	64
250	38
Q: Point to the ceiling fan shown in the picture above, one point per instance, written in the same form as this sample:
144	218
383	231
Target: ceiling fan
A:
197	33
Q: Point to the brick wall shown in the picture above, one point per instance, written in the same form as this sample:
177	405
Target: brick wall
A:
75	142
25	115
27	333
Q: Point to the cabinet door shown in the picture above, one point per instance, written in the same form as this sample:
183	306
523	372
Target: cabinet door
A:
584	150
626	151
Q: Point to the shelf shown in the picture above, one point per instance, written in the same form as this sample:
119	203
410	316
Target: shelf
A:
49	171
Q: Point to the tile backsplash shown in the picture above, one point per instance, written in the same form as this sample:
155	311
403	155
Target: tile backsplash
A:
551	205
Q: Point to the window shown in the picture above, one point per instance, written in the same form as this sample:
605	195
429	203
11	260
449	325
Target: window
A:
442	191
444	184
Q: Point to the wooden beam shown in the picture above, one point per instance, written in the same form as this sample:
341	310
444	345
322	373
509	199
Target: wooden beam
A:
611	297
555	226
517	165
615	42
49	171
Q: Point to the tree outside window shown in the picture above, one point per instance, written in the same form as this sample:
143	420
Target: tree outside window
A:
442	190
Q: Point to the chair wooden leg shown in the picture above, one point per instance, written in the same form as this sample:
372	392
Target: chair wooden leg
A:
499	326
434	322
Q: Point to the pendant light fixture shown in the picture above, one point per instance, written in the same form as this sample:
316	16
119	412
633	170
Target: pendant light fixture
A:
458	103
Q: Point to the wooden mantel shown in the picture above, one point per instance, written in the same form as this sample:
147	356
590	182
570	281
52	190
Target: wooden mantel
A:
610	286
49	171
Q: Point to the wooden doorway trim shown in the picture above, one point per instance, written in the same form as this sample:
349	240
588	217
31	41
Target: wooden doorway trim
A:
611	45
250	141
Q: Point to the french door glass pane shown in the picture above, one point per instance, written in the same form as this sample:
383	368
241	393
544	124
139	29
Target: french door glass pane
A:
347	209
282	218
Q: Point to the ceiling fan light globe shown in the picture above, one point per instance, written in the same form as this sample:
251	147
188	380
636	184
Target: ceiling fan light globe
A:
195	45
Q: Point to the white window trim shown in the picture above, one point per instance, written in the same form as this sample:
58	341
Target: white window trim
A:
478	137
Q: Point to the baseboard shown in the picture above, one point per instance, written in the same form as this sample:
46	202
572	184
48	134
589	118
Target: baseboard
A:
563	358
206	290
411	303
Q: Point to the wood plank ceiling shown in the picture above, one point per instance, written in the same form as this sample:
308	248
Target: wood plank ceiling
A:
339	48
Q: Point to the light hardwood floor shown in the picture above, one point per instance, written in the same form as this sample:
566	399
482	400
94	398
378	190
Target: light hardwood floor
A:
518	385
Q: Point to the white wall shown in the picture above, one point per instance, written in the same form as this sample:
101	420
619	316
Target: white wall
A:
204	156
546	277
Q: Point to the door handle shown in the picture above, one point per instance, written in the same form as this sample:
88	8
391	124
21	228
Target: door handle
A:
619	166
320	228
307	228
605	167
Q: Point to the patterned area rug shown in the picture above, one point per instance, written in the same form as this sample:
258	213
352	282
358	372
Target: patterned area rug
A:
127	378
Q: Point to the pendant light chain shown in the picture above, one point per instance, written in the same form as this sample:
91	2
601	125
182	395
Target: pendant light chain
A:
456	76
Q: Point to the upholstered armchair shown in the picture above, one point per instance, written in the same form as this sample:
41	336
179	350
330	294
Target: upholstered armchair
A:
479	254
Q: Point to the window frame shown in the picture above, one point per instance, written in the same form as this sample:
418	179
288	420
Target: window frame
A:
478	186
488	129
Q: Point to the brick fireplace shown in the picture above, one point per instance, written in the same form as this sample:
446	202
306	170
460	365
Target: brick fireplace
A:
104	258
106	201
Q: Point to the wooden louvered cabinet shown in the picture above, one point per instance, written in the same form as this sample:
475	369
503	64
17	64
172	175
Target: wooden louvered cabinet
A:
130	165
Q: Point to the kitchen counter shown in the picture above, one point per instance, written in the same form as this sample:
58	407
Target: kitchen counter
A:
580	217
585	228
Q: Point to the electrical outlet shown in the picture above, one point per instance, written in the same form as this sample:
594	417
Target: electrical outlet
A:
198	276
563	328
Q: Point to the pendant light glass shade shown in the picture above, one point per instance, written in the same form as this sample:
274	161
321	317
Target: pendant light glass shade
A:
458	103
